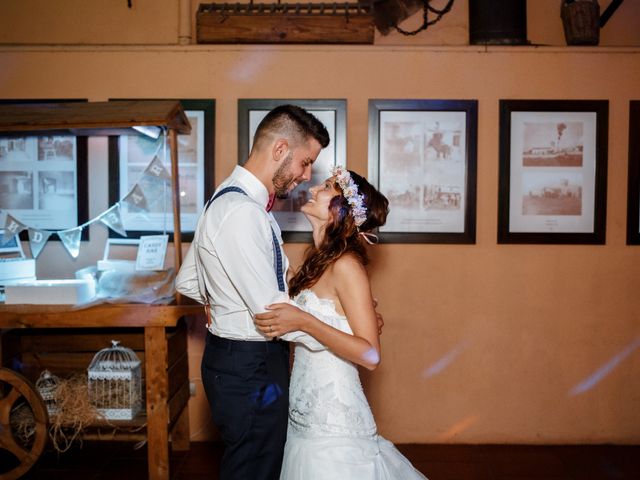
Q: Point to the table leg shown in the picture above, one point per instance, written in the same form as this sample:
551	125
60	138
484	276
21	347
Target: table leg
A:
157	388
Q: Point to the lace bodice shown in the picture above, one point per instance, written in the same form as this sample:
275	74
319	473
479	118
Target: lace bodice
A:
325	396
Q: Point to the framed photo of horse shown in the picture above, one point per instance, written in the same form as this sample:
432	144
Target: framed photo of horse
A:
553	171
422	157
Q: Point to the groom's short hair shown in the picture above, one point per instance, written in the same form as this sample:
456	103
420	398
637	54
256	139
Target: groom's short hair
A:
293	123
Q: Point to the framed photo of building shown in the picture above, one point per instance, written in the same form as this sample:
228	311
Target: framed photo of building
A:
333	114
633	195
422	157
130	157
43	179
553	171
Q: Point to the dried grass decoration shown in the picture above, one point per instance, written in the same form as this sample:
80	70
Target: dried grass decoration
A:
115	383
74	412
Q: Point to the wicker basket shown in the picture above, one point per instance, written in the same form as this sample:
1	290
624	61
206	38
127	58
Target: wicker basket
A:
581	22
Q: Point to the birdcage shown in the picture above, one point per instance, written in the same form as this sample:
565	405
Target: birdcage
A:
47	384
115	386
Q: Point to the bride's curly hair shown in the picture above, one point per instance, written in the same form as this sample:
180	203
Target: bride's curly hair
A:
341	235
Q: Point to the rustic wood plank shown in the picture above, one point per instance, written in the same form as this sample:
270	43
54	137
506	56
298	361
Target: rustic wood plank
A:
178	374
93	116
178	402
176	342
180	434
120	315
157	409
79	340
239	26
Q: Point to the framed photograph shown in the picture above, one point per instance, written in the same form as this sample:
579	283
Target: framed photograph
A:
422	157
553	171
333	114
43	179
131	155
633	195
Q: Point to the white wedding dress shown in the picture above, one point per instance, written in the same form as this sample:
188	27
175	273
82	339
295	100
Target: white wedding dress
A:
332	434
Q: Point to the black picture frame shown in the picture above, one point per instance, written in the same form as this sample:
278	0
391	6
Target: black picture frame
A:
633	190
81	172
204	183
423	157
553	171
333	113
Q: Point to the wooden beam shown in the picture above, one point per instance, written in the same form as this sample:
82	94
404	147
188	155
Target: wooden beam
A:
344	23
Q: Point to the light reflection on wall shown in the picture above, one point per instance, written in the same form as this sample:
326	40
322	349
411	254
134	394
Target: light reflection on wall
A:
593	379
246	70
446	360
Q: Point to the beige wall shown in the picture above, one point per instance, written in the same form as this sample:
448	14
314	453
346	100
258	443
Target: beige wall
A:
521	325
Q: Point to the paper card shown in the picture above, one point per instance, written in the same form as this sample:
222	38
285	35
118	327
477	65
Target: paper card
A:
151	252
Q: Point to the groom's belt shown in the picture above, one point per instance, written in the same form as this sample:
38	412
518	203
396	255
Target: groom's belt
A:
246	345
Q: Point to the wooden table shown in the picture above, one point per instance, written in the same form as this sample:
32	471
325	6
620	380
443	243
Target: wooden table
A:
154	319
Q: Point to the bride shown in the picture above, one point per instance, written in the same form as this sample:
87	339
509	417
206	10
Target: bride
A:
332	433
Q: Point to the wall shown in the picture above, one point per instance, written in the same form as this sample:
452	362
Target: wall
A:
514	327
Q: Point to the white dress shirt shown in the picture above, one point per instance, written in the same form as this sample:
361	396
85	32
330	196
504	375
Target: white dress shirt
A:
234	259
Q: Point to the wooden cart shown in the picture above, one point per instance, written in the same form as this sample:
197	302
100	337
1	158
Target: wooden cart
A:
61	337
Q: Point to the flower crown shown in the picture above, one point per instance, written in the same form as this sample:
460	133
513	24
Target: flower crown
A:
350	192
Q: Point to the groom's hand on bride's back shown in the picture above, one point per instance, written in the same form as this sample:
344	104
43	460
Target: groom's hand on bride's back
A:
379	317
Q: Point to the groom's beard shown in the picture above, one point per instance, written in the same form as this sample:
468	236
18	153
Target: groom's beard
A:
282	179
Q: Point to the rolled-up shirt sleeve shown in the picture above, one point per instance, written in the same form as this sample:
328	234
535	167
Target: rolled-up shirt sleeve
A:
244	248
187	278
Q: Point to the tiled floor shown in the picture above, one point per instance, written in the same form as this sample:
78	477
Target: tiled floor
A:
119	461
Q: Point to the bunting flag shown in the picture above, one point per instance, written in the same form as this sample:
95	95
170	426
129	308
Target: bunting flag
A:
37	240
113	219
12	227
71	240
155	177
135	198
156	170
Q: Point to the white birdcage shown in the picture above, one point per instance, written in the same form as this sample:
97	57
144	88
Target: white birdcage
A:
47	384
115	386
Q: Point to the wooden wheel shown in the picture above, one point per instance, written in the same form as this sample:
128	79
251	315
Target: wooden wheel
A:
14	387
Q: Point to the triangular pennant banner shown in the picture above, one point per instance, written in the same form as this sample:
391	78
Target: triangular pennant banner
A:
37	240
71	240
136	198
113	219
11	227
156	170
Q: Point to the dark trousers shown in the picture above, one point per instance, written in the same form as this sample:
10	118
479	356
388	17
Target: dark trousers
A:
247	385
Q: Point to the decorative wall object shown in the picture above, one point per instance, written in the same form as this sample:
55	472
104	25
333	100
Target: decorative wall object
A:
633	195
332	113
422	156
149	210
285	23
553	171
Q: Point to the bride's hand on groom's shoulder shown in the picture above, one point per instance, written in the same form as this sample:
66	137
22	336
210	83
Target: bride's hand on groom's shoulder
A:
280	318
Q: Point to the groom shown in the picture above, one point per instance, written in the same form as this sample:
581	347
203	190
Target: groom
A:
236	266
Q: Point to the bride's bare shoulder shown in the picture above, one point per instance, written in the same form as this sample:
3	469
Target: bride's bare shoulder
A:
348	265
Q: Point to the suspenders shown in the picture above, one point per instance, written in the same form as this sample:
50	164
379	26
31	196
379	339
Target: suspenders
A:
277	254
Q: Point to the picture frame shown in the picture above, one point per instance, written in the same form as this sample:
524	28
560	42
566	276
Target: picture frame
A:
44	178
331	112
423	158
129	156
633	190
553	171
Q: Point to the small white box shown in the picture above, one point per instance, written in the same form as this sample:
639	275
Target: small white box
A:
50	292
